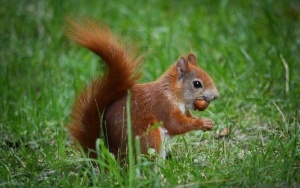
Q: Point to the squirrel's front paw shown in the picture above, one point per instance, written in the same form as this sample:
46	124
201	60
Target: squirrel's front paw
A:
207	124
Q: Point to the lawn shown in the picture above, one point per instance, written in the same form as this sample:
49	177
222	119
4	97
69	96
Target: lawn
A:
250	48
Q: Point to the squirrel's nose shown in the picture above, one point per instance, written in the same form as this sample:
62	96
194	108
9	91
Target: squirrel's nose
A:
216	94
215	97
211	95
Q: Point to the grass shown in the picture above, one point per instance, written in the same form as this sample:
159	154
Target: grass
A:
250	48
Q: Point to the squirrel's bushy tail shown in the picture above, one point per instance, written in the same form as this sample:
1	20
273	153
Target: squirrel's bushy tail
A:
121	75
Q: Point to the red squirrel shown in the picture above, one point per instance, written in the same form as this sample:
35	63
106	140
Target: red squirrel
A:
168	100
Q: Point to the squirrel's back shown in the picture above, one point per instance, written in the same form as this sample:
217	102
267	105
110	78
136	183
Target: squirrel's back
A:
121	75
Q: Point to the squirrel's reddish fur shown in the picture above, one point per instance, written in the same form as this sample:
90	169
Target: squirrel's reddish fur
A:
167	100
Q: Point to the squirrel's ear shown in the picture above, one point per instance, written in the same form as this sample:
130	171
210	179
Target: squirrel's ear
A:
192	59
182	67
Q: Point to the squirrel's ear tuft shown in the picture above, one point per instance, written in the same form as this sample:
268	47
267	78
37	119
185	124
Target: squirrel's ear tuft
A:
192	59
182	67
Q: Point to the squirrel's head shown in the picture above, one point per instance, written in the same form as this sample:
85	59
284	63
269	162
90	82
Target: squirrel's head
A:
194	83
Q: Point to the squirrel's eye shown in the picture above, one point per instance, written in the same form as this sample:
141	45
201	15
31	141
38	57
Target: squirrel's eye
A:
197	84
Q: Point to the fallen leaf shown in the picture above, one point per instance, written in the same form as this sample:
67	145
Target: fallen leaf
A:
224	133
